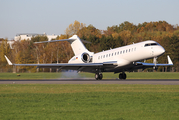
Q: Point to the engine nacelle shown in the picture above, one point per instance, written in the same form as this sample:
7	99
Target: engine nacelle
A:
85	57
82	58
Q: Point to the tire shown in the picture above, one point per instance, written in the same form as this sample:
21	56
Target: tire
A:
96	76
120	76
100	76
124	76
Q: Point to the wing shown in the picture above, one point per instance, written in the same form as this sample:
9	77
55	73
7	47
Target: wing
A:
88	67
170	63
111	66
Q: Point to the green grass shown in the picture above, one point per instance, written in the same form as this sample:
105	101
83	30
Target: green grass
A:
89	102
132	75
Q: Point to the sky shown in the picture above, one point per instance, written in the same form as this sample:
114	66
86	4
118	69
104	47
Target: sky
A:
54	16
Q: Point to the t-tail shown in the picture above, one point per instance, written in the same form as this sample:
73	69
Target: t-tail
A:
77	45
82	55
78	48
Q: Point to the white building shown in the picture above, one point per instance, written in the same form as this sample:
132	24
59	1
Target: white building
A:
28	36
10	42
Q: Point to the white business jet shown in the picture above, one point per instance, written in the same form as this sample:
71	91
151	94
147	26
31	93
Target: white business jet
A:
116	60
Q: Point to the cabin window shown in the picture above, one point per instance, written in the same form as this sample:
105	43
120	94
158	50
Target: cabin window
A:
99	57
134	49
107	55
126	51
123	51
112	54
115	53
129	50
118	53
103	56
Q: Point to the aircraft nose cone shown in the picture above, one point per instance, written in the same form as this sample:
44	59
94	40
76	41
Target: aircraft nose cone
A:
161	50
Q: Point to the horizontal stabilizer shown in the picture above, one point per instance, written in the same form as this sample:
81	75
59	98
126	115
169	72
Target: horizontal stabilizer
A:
69	40
55	41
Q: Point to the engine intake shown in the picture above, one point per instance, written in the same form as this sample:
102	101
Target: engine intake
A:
85	57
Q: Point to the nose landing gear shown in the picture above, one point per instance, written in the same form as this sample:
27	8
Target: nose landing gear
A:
122	76
98	76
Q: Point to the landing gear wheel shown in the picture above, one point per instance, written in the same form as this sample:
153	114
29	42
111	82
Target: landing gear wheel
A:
122	76
98	76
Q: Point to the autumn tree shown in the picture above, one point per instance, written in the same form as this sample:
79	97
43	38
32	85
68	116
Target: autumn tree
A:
123	26
88	31
23	53
110	42
174	46
74	28
4	50
126	36
39	38
115	36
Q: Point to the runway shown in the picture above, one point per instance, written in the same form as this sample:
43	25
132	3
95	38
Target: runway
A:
93	81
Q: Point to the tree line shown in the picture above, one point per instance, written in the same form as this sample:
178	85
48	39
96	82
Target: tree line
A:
126	33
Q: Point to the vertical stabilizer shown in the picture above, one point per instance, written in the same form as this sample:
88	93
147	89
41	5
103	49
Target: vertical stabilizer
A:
77	45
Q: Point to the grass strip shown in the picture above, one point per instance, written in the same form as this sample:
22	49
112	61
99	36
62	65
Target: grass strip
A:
97	102
132	75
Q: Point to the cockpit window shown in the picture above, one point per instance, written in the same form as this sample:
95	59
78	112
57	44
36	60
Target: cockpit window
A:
151	44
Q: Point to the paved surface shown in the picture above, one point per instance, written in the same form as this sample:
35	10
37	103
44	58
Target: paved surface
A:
92	81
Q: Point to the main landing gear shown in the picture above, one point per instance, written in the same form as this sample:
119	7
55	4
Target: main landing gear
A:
98	76
122	76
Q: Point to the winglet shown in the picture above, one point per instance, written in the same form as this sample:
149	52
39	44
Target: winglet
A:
8	61
169	60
